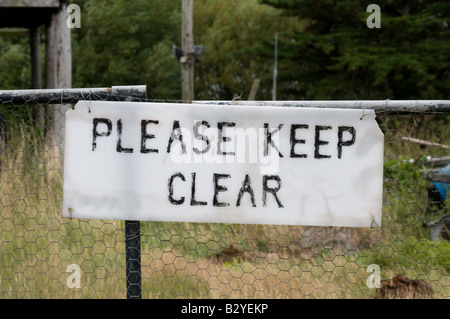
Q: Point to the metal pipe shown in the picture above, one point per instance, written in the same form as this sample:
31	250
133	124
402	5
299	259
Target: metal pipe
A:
73	95
383	106
138	93
133	259
275	70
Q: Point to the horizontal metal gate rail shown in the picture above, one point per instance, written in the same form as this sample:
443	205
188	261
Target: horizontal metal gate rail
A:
137	93
67	96
386	106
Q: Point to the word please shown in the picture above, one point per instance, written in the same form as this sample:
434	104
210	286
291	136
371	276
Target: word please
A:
222	140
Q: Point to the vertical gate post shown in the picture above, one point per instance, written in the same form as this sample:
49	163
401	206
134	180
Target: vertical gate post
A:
133	259
187	42
133	234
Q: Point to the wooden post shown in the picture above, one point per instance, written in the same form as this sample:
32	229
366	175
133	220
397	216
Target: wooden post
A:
275	70
36	72
50	54
254	89
133	259
58	63
188	60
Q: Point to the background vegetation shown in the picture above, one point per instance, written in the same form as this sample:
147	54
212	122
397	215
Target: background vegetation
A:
326	50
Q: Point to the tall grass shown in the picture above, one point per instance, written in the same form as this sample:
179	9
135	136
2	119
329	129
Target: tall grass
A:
36	243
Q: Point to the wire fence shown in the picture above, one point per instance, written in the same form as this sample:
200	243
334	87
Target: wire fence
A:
43	255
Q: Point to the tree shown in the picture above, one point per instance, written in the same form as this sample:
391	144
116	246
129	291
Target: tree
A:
232	32
15	69
128	43
337	56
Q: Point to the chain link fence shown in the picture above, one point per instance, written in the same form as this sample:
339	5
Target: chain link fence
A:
43	255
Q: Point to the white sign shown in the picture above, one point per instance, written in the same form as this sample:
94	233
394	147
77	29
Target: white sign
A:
223	164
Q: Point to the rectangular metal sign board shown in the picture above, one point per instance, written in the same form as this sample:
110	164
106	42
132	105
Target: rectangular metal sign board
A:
223	164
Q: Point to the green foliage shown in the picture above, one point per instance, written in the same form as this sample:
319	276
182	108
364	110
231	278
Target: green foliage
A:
114	47
403	186
232	32
15	69
403	172
326	50
128	43
339	57
410	253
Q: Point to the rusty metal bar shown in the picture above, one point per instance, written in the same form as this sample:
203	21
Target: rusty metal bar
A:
383	106
73	95
133	259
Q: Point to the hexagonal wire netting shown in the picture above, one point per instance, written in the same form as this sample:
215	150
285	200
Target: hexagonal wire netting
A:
43	255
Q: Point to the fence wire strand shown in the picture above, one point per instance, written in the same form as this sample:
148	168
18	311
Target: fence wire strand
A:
43	255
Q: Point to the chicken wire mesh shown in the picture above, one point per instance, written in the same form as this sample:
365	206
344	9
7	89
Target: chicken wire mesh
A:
43	255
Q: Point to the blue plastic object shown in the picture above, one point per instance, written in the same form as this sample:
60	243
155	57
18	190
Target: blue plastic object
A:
443	188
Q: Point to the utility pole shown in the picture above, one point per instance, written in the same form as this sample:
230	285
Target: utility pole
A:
275	71
187	43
